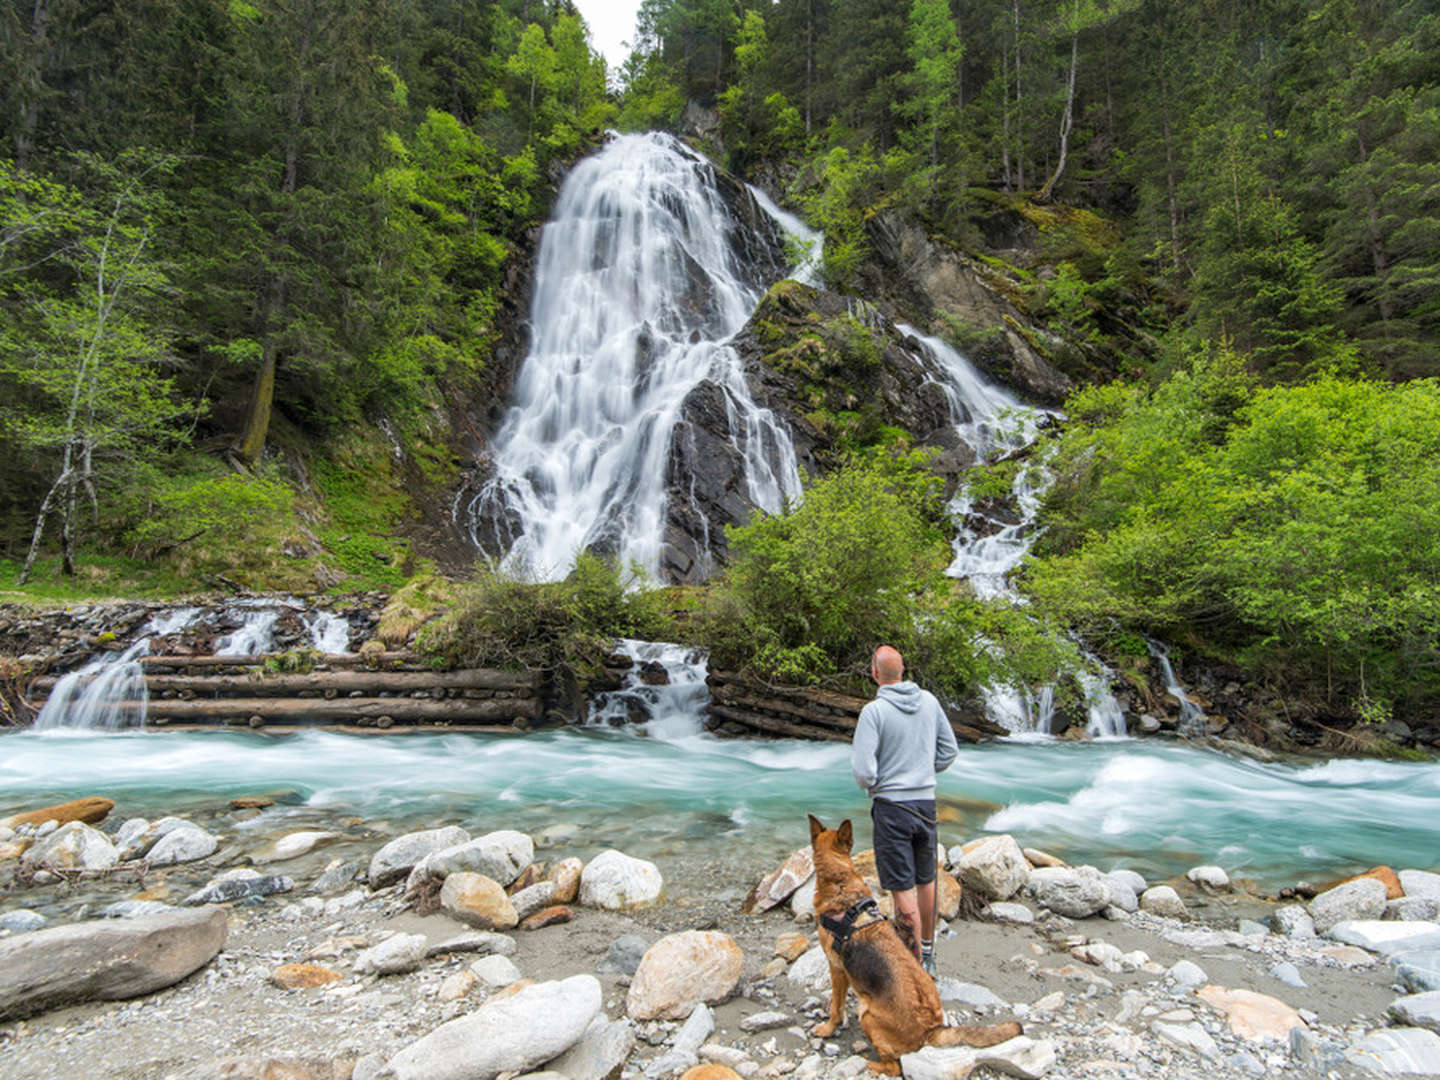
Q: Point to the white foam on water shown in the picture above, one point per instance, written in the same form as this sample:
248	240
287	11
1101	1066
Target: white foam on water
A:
107	694
329	633
253	638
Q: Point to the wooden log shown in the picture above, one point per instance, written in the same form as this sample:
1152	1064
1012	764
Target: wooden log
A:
343	710
330	683
336	660
771	725
733	696
351	729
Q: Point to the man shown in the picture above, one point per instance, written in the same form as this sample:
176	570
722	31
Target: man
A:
902	740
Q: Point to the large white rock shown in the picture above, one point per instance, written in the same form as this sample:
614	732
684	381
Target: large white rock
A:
1387	938
615	881
73	846
293	845
186	844
1359	898
1136	882
1420	883
1398	1052
802	901
1122	891
105	960
810	970
395	955
600	1053
1076	893
1021	1056
780	884
1164	901
1418	1010
501	856
995	867
397	858
514	1034
1212	877
681	971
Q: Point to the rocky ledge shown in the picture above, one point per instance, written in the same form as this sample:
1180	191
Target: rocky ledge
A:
457	952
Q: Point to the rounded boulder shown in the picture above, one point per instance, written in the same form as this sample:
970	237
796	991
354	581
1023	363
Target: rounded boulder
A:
680	971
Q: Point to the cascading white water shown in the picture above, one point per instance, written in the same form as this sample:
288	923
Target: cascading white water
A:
253	638
638	288
1192	717
329	633
806	239
670	710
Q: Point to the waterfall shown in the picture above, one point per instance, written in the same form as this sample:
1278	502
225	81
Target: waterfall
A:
329	633
643	276
1192	717
253	638
667	710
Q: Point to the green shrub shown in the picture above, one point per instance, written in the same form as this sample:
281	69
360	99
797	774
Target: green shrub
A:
209	522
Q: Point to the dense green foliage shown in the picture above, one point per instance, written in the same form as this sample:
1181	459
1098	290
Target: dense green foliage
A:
1274	164
1293	526
226	223
861	563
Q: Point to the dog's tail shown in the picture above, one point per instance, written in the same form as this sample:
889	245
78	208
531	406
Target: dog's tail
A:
973	1035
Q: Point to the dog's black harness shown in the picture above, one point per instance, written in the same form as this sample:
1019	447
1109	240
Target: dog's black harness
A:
841	928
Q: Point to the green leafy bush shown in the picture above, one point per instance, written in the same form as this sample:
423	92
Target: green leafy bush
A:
210	522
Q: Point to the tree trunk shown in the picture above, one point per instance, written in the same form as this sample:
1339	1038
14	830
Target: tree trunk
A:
257	421
30	86
1019	108
1067	119
47	507
1005	123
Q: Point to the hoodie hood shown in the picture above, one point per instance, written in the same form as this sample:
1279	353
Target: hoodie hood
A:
904	696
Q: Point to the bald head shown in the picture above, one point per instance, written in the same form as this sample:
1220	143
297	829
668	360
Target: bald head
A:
887	665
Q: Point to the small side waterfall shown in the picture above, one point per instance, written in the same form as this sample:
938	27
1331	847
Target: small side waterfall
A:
329	633
253	638
669	709
644	274
1192	717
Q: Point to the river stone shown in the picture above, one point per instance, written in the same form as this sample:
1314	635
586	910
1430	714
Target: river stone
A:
512	1034
765	1021
698	1027
1412	909
91	811
777	886
501	856
239	884
1075	893
1187	973
811	971
1211	877
1187	1036
1122	893
1420	883
1387	938
182	845
1011	913
1418	970
1398	1052
481	942
994	867
1254	1017
1288	974
397	858
1136	882
1294	921
601	1052
21	921
617	882
395	955
565	875
1418	1010
1361	898
624	955
682	970
527	902
133	909
304	976
293	845
74	846
971	995
477	900
495	971
1164	901
1021	1056
105	960
138	843
802	901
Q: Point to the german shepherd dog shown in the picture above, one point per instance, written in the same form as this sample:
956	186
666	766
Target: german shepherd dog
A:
899	1006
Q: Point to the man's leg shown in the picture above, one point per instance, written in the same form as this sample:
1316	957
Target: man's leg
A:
925	898
908	914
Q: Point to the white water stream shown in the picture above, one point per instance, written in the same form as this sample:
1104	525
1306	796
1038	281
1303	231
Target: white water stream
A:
642	280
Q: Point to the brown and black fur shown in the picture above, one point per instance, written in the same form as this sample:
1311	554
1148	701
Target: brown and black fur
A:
899	1006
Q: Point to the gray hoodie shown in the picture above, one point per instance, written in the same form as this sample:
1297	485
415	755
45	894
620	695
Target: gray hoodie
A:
902	740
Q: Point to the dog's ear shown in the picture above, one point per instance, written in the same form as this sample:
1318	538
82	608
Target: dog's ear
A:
844	836
815	828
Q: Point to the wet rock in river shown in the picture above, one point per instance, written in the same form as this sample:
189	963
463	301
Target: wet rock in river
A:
133	909
21	921
1210	877
91	811
75	846
105	960
293	845
242	883
188	844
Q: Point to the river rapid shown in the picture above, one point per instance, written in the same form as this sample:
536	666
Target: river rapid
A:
665	789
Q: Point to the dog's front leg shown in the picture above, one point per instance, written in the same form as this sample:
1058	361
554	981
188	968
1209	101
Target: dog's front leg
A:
839	988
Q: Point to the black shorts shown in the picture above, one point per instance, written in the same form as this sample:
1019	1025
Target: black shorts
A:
904	842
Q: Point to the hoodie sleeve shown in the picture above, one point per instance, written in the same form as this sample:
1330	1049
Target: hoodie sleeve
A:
945	748
863	761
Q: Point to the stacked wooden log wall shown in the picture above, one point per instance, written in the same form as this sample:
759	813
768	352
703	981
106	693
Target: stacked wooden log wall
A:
379	692
741	706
